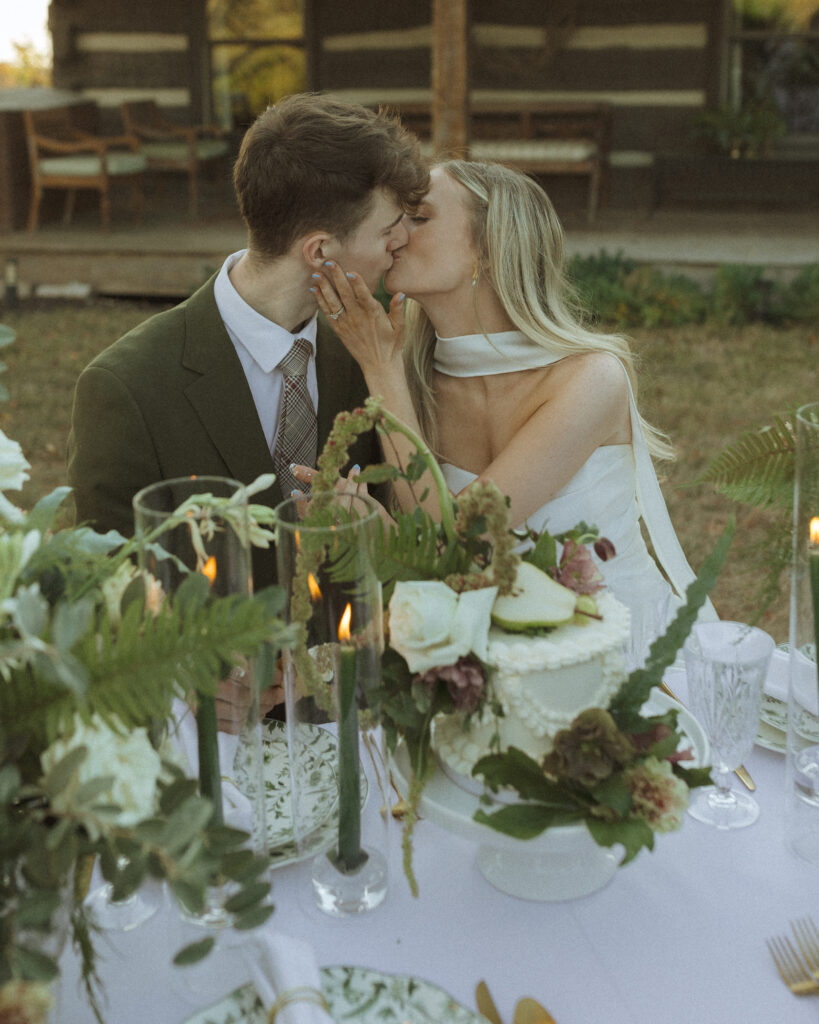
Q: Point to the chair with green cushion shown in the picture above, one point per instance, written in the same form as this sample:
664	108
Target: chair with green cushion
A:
63	156
174	147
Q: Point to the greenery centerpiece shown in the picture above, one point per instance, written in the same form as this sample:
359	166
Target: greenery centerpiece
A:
616	769
92	655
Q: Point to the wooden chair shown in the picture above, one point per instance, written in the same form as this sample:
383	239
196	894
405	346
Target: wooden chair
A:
63	156
174	147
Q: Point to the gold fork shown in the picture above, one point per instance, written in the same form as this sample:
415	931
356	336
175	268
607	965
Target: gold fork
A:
791	968
807	938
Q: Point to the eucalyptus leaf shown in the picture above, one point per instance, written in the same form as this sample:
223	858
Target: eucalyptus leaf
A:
191	896
252	918
247	897
242	865
194	952
185	823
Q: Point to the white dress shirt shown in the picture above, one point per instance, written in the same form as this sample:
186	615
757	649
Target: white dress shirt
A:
261	345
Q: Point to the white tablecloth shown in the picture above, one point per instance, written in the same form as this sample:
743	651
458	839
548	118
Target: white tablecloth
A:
677	937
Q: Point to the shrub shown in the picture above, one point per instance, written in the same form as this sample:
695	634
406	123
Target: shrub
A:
799	301
739	295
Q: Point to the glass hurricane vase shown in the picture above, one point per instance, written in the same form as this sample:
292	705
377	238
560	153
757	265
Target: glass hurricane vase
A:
220	735
326	549
802	775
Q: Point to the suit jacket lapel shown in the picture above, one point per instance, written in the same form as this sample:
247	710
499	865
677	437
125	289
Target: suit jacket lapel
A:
333	368
221	395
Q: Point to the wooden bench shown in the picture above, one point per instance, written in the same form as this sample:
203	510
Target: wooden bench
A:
534	136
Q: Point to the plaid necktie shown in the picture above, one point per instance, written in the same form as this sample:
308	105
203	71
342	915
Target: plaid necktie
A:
297	438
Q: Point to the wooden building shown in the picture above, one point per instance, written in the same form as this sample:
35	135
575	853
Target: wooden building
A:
657	64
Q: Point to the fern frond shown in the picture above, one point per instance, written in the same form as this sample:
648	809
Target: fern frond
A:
758	468
412	549
136	671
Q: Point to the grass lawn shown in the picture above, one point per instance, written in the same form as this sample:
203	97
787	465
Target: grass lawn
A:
703	385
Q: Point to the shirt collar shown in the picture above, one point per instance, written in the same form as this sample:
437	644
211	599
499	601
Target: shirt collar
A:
266	342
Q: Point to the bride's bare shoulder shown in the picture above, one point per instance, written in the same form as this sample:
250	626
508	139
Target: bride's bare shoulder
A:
591	368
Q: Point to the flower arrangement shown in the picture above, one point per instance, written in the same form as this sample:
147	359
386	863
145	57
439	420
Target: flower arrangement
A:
90	661
616	769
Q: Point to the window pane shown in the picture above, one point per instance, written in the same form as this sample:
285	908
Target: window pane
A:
247	79
255	19
786	70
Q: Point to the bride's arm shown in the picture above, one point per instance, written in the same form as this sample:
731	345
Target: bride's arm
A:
585	405
375	340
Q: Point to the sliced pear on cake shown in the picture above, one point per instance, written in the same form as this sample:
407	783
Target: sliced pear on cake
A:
536	602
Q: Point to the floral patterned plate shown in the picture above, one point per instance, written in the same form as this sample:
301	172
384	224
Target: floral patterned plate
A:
773	723
319	792
355	994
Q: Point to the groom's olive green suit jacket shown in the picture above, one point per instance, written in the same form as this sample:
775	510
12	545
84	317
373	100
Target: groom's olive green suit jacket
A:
170	399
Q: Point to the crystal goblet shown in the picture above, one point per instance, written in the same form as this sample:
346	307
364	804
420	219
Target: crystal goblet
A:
726	664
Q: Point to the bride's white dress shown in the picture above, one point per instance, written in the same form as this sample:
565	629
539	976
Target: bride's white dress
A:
613	490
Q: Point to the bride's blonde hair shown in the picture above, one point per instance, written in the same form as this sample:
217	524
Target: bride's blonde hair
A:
519	244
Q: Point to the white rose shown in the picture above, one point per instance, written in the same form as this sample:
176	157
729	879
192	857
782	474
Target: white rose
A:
130	759
13	465
432	626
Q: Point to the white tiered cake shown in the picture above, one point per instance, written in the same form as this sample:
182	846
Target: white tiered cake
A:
542	683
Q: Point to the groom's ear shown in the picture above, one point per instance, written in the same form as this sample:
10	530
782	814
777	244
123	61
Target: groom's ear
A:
313	248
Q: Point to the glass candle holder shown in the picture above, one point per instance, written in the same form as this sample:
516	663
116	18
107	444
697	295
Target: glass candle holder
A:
182	533
326	551
802	775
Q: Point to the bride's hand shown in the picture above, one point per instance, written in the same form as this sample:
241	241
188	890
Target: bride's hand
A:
372	337
345	485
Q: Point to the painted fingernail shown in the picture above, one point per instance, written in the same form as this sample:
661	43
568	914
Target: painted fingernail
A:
351	276
311	289
401	296
329	263
316	277
296	493
356	468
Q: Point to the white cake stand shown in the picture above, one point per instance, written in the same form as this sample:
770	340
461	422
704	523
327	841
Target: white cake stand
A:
560	864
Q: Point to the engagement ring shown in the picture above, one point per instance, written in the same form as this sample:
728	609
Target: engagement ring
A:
337	314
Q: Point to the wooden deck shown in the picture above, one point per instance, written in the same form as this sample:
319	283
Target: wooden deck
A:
169	255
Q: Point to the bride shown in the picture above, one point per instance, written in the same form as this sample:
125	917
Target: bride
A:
489	362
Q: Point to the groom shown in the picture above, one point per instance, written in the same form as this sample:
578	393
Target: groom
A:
203	388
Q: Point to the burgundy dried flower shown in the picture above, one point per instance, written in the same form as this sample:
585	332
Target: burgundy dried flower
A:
577	570
604	549
465	681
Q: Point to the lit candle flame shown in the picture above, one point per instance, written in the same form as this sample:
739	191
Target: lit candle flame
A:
814	530
209	570
344	625
315	592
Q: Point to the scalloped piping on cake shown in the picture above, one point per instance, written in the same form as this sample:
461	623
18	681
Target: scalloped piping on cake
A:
542	684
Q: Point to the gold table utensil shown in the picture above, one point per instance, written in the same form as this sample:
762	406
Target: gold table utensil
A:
807	938
529	1011
791	967
742	772
486	1004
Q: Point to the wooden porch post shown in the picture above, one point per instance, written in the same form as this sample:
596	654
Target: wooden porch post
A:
450	77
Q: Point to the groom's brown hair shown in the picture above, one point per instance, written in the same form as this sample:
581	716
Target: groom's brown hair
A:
311	163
